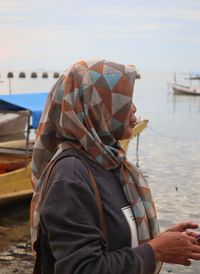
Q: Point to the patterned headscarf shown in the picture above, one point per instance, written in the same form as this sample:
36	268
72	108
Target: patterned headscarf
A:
88	109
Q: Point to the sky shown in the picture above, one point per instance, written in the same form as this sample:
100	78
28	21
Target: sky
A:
47	34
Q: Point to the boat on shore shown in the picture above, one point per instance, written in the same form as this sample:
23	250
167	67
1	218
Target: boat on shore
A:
15	185
12	155
16	154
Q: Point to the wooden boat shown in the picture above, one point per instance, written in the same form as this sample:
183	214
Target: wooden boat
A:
15	184
17	147
15	170
15	155
10	163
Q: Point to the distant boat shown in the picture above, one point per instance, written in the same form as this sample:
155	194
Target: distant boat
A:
179	89
184	90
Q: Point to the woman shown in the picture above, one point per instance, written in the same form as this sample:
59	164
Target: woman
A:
92	208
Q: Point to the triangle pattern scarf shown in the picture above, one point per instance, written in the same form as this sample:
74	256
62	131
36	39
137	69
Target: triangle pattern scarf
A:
88	109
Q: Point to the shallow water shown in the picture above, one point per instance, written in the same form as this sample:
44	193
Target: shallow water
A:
168	155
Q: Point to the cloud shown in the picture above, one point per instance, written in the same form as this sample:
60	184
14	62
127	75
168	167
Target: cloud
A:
12	11
45	32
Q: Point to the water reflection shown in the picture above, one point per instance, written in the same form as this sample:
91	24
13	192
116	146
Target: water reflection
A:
190	103
169	155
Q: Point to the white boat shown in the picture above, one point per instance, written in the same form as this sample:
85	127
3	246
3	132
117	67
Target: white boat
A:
185	90
191	89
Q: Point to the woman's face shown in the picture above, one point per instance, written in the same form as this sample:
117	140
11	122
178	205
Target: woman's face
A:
131	124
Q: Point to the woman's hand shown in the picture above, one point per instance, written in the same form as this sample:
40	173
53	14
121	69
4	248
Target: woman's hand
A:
176	248
182	227
185	227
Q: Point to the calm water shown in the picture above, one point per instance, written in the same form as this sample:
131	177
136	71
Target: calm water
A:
169	148
170	152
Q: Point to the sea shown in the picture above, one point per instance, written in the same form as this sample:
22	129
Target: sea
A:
168	153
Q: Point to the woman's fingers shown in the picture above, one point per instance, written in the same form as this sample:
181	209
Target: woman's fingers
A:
180	227
191	238
187	225
193	233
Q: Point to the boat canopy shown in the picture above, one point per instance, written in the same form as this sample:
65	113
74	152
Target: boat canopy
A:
194	75
33	102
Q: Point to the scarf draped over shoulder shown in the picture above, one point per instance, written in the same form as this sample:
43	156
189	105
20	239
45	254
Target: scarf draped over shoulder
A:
87	110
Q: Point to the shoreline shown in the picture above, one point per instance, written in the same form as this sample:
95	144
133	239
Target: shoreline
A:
17	258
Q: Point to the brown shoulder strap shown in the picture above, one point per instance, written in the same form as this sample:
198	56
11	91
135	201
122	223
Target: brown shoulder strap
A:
92	183
99	204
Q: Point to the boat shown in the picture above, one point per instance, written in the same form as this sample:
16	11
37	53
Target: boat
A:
12	123
184	90
15	185
15	156
10	163
191	89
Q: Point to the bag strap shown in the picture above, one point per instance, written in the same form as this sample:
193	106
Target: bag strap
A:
37	266
92	183
99	204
